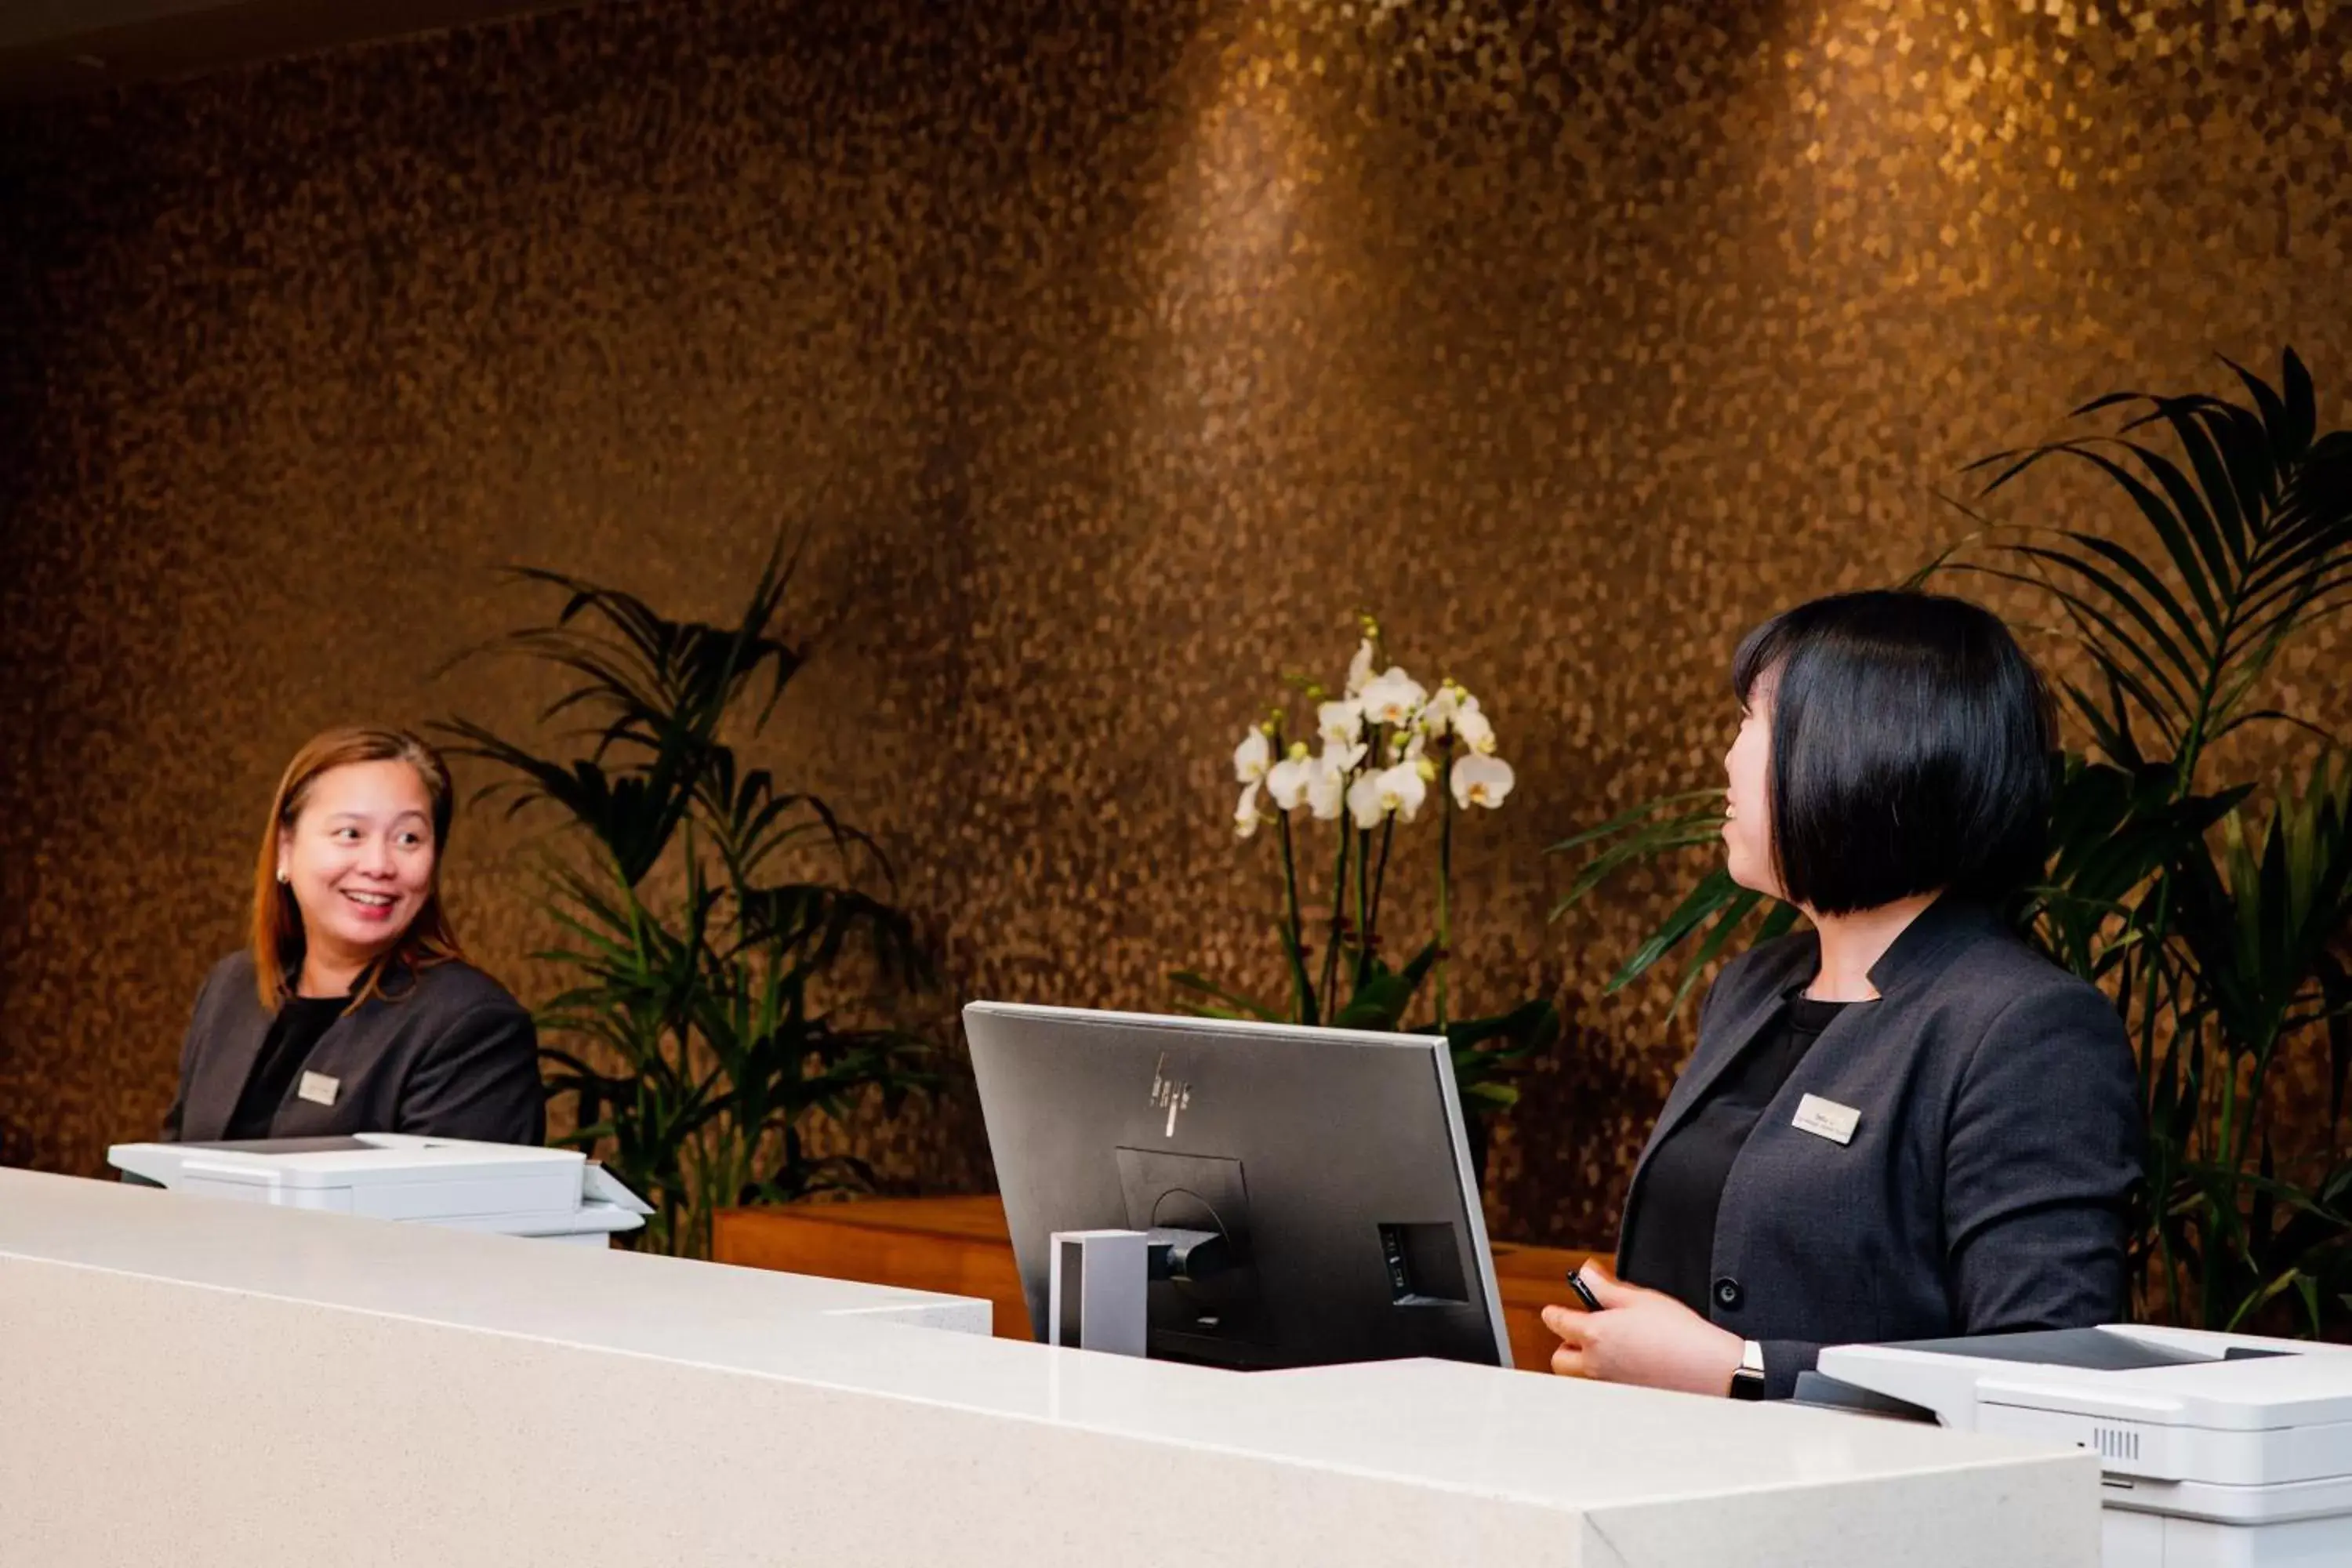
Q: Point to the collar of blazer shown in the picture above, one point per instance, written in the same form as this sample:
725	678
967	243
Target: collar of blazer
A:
398	979
1943	926
236	1030
1916	956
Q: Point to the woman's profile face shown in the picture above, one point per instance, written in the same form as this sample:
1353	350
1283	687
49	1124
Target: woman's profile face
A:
1747	794
360	858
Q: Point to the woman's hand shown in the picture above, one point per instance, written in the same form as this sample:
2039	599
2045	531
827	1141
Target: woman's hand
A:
1641	1336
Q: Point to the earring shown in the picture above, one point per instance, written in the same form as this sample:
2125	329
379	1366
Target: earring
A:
281	879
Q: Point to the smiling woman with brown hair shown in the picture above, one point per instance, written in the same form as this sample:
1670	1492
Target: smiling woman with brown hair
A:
354	1009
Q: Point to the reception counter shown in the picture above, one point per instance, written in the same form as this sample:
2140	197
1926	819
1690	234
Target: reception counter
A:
199	1382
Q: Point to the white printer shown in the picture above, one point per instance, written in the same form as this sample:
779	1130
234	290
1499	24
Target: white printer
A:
505	1188
2220	1450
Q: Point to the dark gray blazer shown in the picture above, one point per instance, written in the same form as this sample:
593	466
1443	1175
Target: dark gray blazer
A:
449	1053
1987	1185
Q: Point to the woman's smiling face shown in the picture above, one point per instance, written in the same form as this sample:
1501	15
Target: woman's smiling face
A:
1747	794
359	859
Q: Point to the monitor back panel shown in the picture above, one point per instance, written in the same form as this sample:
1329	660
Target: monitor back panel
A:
1332	1160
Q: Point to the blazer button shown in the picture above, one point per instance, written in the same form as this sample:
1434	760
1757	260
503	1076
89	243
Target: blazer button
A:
1728	1294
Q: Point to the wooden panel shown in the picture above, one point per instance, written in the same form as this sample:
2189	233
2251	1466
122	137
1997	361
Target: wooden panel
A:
960	1245
1530	1278
956	1246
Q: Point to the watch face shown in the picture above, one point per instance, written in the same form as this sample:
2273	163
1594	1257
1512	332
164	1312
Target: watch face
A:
1748	1382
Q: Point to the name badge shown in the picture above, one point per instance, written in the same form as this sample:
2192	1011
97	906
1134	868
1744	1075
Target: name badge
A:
1827	1119
318	1089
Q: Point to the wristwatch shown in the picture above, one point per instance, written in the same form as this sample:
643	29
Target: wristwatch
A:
1748	1382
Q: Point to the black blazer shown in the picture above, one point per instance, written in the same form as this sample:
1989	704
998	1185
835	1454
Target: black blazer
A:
449	1052
1986	1187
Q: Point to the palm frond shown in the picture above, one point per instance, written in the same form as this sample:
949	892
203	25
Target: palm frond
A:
686	1037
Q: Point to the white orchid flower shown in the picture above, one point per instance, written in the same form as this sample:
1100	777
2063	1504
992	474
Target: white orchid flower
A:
1246	816
1327	790
1253	757
1481	781
1438	711
1359	668
1445	706
1289	779
1344	758
1402	789
1364	803
1393	696
1475	731
1340	722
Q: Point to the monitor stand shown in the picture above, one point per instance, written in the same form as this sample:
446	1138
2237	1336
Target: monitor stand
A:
1099	1281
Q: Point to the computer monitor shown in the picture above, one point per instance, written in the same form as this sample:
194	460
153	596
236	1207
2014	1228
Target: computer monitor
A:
1329	1165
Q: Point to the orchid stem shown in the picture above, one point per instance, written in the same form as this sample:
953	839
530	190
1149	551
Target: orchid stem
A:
1444	876
1338	921
1363	907
1381	880
1304	998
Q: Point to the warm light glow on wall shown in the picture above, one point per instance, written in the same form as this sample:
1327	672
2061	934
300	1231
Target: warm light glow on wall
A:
1239	223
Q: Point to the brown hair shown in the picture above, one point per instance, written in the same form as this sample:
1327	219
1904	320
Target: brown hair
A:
278	939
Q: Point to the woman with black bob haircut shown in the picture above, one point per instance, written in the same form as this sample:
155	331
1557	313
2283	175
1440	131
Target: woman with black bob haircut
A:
1902	1123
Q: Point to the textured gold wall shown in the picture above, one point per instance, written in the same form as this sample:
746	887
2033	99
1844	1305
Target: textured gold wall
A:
1115	355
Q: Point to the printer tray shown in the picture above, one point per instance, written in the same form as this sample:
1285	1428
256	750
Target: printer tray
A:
2089	1350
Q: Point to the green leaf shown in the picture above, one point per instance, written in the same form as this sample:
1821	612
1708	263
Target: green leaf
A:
1727	925
1715	892
1242	1006
1632	816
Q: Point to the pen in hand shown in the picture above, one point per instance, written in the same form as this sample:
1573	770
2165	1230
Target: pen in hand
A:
1584	1295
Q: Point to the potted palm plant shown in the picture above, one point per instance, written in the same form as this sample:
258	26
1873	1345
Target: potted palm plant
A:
732	953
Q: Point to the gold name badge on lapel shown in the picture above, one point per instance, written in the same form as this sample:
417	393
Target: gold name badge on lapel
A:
1827	1119
318	1089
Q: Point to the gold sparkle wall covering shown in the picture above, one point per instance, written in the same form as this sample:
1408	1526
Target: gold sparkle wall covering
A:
1113	355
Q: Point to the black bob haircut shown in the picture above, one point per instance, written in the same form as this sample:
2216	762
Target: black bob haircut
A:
1911	748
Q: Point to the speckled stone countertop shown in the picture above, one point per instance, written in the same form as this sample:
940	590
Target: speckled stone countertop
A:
215	1379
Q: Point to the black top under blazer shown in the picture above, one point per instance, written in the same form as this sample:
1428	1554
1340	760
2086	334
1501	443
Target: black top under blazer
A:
1987	1185
448	1052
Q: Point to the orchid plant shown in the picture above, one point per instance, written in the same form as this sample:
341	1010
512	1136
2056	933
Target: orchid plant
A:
1383	746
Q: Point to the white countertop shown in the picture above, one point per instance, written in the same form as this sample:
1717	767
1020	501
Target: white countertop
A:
1549	1442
